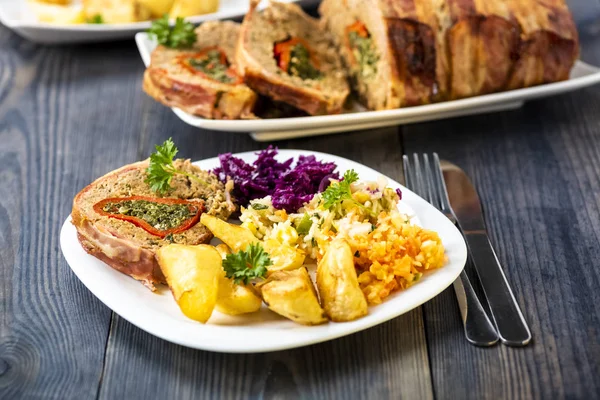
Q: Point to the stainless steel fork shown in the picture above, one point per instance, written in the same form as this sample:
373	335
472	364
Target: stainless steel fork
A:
427	181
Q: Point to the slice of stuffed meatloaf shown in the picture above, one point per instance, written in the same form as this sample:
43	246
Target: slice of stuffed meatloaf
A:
202	80
122	222
287	56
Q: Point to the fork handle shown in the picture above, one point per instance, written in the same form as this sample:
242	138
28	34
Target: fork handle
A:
479	330
506	313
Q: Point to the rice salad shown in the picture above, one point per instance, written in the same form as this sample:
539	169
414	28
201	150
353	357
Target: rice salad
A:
390	252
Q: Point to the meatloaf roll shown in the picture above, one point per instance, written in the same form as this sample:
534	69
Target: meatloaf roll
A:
389	48
122	222
285	55
202	80
549	43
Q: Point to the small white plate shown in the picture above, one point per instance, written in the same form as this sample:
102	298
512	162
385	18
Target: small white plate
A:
16	15
158	314
266	130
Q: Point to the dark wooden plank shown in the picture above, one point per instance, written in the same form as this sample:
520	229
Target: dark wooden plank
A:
538	173
60	126
389	361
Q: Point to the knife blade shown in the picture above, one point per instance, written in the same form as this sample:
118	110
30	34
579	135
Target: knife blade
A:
465	203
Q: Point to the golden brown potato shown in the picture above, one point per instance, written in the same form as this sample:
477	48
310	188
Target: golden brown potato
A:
56	13
187	8
116	11
234	236
292	295
234	299
61	2
157	8
223	249
193	274
338	287
283	256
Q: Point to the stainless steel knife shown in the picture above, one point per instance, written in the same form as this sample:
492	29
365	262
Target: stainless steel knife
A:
507	315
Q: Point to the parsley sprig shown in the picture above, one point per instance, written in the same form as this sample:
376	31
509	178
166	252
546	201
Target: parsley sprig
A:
180	35
338	192
161	169
95	19
246	265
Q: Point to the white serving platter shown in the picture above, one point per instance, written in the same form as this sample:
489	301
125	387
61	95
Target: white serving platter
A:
158	314
16	15
266	130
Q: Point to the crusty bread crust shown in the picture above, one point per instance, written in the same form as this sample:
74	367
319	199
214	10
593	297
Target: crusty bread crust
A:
127	247
175	86
312	98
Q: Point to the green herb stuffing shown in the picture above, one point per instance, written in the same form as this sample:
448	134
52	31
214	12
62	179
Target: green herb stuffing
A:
211	65
96	19
364	53
180	35
246	265
300	64
158	215
161	169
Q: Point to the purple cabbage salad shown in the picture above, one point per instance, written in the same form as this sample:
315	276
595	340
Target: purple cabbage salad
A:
289	188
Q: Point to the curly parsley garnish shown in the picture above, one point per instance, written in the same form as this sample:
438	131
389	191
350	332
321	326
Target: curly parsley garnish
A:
246	265
161	169
180	35
337	192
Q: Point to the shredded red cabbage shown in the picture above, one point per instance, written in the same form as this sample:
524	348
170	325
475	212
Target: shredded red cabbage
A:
289	188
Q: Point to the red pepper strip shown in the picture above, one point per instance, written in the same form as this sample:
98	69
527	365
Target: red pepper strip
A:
196	207
361	30
184	60
283	52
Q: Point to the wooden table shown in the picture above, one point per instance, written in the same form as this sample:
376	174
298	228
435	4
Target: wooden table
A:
70	114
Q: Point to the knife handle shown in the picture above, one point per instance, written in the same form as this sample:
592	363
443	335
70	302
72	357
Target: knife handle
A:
478	327
509	320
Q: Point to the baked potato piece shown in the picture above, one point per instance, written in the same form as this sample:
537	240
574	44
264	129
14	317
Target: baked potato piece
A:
61	2
291	294
193	274
234	299
283	256
338	286
57	13
116	11
157	8
234	236
187	8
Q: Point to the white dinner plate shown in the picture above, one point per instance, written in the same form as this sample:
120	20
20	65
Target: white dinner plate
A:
357	118
17	15
158	314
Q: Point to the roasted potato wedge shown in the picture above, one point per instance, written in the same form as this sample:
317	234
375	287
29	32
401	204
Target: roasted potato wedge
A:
234	299
283	256
193	274
340	293
234	236
157	8
187	8
56	13
223	249
292	295
116	11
